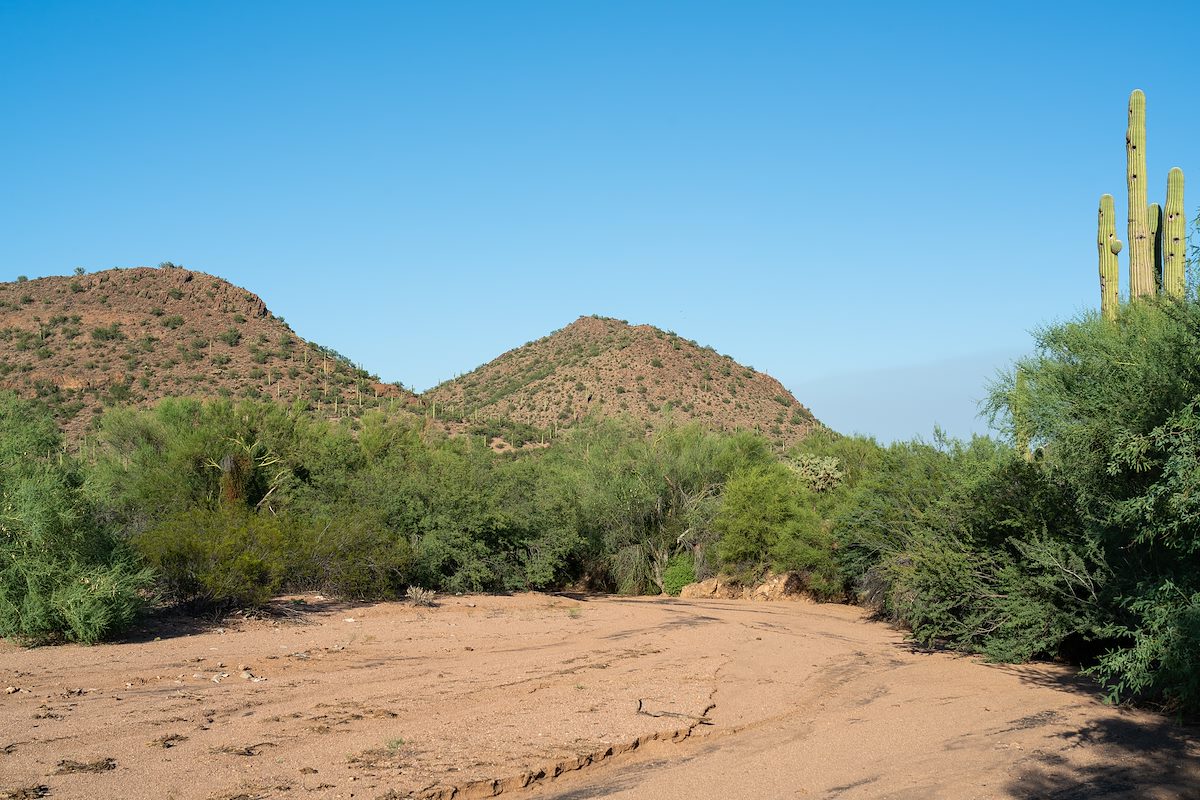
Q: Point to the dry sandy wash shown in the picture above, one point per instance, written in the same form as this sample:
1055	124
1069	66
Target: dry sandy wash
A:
537	696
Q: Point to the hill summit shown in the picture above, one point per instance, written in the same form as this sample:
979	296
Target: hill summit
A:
137	335
598	365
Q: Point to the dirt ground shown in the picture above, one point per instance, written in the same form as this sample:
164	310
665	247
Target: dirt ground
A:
541	697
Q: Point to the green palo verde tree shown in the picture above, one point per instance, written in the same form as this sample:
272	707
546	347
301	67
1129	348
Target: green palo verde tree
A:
62	574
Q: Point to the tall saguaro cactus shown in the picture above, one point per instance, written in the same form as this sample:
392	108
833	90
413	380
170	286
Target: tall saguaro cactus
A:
1157	234
1174	238
1108	246
1154	224
1141	262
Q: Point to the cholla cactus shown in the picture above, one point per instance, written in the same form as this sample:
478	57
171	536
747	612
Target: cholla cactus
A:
421	597
819	473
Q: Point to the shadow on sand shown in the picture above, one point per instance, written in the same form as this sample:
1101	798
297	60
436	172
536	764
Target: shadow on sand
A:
1136	754
173	622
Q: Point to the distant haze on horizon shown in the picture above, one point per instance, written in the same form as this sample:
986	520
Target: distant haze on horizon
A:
874	204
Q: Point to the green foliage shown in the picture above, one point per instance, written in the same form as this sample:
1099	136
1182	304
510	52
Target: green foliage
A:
110	333
1114	407
61	574
680	571
230	337
819	474
230	556
766	521
639	501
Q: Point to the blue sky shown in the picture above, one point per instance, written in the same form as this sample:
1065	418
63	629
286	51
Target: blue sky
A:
874	203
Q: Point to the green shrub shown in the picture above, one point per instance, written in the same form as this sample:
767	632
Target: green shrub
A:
680	571
108	334
1112	409
234	557
61	575
216	558
765	521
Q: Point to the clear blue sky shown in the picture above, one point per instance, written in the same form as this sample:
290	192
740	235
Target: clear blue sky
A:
874	203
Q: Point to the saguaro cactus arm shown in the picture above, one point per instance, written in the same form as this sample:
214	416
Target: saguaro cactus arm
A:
1108	246
1141	263
1154	223
1174	237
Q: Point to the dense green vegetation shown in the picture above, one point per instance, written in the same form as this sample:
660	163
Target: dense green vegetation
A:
62	573
1087	546
1081	544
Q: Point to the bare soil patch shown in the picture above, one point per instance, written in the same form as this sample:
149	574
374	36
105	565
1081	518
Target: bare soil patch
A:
542	696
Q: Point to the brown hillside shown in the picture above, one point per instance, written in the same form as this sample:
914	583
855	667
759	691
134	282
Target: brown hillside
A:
137	335
608	367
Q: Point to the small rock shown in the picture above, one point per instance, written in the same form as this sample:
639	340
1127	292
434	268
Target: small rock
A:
11	690
246	675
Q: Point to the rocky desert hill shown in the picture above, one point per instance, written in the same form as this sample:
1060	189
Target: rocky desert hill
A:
134	336
607	367
88	341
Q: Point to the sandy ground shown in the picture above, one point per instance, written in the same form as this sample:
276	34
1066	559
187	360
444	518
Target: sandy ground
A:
552	697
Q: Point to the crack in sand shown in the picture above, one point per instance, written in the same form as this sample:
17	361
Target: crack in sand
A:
492	787
530	779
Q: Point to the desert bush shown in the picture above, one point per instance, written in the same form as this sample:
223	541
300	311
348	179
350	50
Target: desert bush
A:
995	565
680	571
222	558
1113	409
606	505
62	576
233	557
108	333
766	522
640	501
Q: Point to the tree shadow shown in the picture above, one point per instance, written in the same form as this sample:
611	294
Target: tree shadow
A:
172	622
1129	753
1131	757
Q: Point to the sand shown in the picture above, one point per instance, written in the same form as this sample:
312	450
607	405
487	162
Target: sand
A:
540	696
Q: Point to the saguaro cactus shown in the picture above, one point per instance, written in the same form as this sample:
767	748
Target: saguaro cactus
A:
1174	237
1157	234
1141	262
1154	224
1108	246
